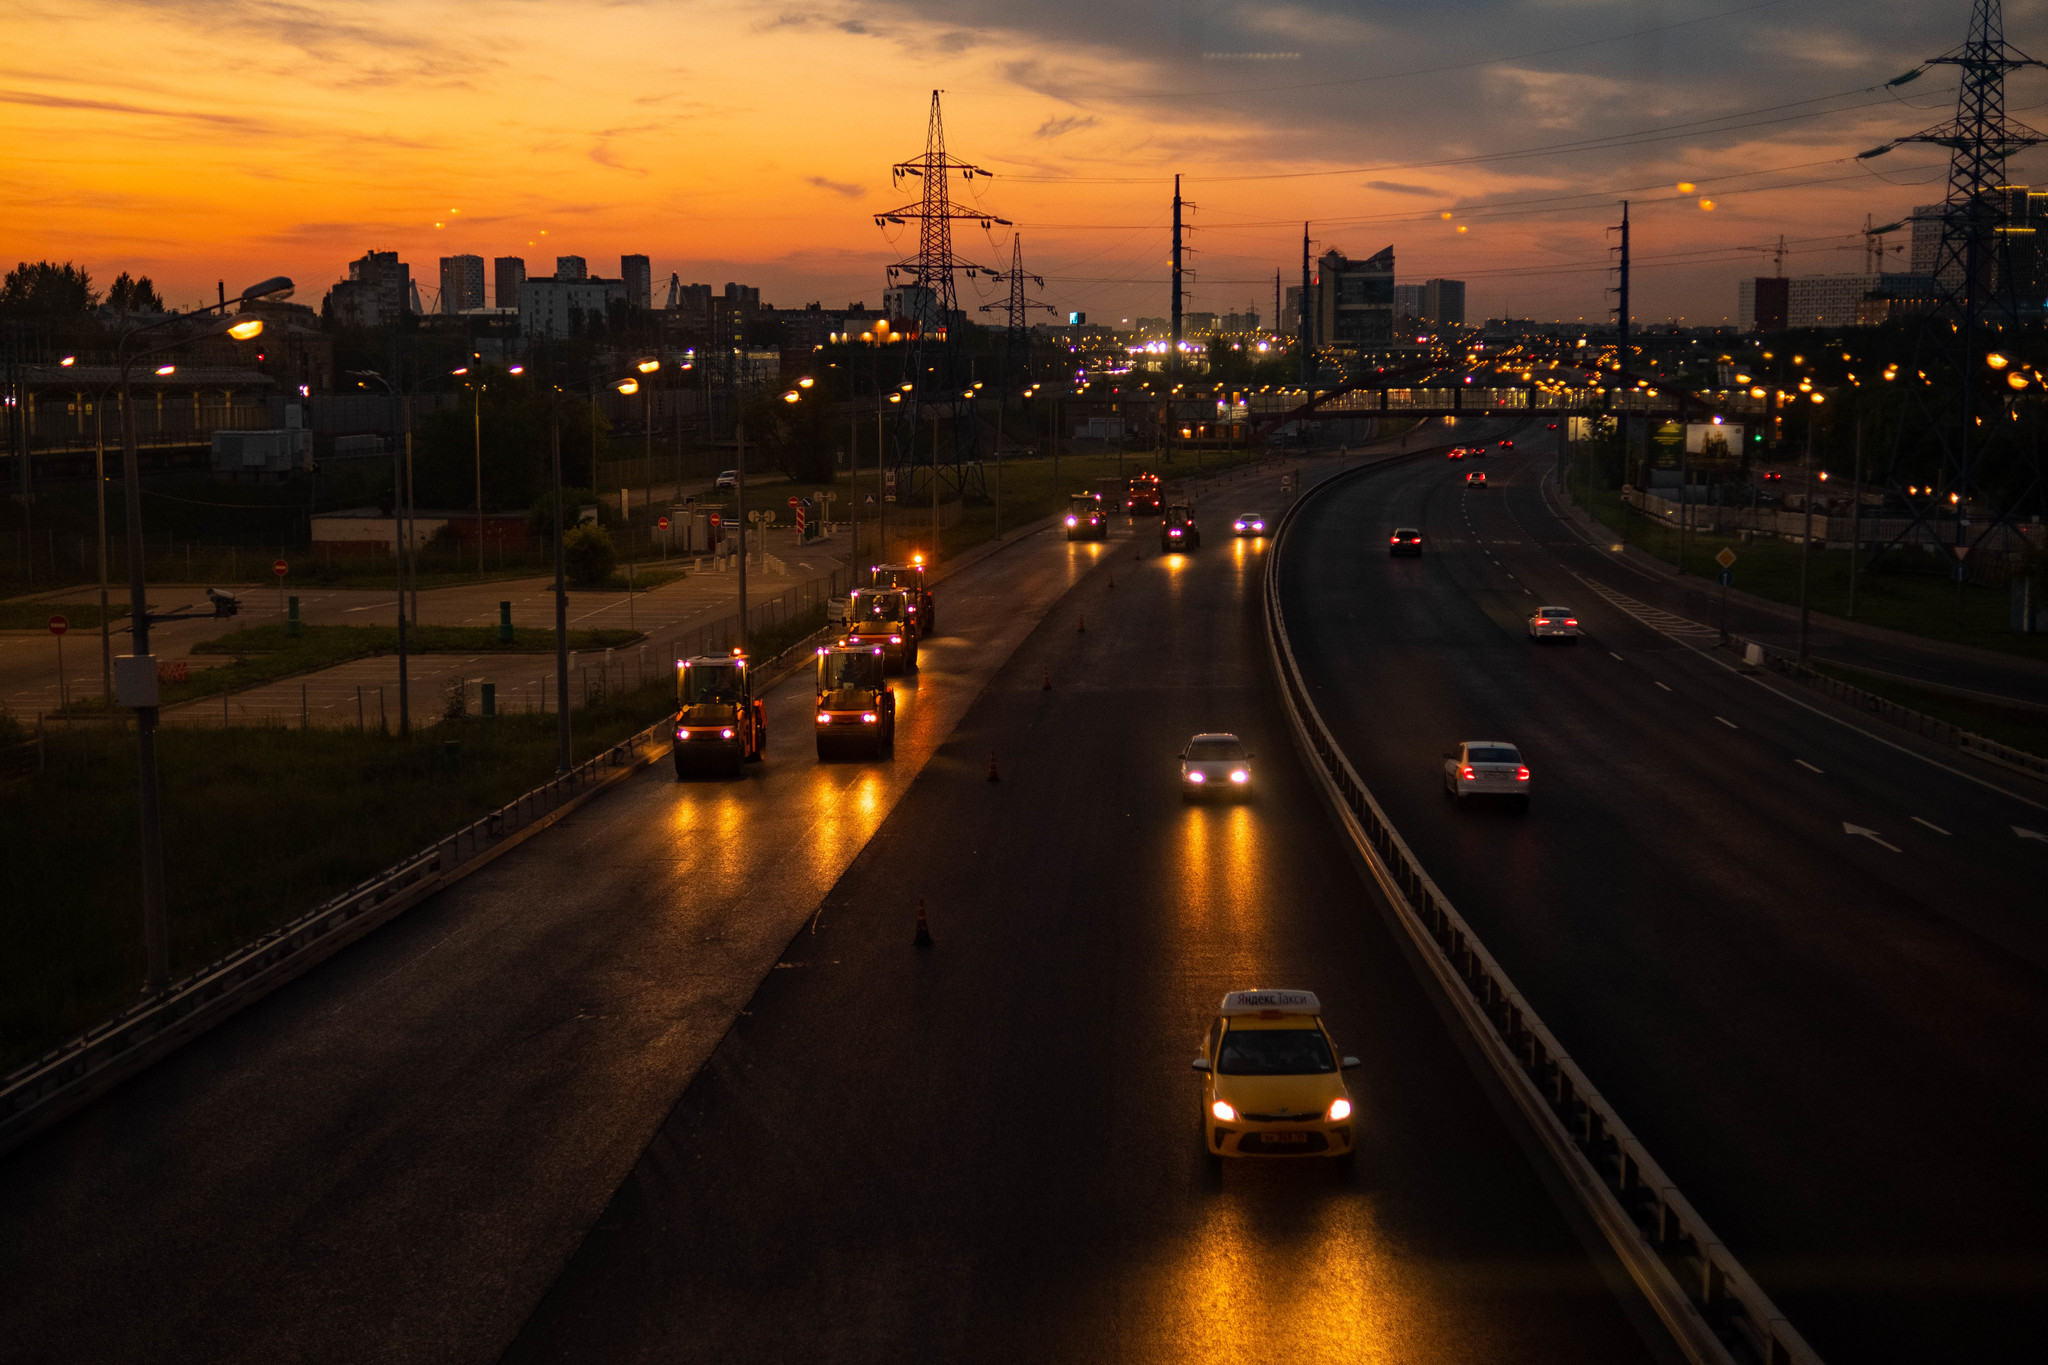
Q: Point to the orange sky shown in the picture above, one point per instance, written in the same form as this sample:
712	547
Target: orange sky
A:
241	138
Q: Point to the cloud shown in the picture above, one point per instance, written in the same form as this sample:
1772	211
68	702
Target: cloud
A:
838	187
1396	187
603	155
1060	127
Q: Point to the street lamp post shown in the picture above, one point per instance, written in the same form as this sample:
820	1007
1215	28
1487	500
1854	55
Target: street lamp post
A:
139	684
400	496
564	755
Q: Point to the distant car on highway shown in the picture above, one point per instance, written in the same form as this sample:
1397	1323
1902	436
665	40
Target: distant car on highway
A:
1406	540
729	478
1249	524
1476	479
1273	1080
1506	444
1215	763
1554	623
1456	452
1487	767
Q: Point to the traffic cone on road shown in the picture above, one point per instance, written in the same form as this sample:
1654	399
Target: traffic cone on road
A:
993	775
1083	627
1048	681
1112	580
924	929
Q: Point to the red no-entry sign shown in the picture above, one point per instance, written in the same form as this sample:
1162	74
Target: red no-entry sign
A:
58	625
662	523
280	568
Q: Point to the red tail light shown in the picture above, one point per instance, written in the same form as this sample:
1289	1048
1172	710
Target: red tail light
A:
1571	620
1521	774
1466	772
1393	540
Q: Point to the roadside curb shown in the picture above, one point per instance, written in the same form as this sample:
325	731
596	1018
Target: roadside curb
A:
1715	1313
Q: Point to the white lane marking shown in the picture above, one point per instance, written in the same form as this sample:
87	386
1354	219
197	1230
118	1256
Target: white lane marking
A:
1527	593
2030	834
1808	766
1612	655
1660	685
1727	722
1931	825
1869	834
1650	616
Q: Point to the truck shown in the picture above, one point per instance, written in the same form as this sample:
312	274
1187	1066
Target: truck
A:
1177	529
910	578
882	620
1141	492
856	707
720	724
1087	519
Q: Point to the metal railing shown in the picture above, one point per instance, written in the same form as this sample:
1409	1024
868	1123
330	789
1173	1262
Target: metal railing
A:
1713	1309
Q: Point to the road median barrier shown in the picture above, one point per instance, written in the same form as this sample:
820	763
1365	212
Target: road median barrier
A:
1714	1311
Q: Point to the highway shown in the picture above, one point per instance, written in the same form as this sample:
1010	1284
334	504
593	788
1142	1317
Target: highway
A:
988	1150
1805	964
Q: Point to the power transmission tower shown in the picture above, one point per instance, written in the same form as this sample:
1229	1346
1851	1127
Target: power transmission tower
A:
934	368
1017	306
1308	363
1179	293
1974	283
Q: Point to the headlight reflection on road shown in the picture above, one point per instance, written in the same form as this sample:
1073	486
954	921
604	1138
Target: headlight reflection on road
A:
1218	871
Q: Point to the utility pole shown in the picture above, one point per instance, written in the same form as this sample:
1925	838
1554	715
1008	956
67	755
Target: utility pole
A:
1173	361
1806	538
1621	357
564	754
1856	512
1308	371
740	517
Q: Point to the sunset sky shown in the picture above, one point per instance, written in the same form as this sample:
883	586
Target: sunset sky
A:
196	139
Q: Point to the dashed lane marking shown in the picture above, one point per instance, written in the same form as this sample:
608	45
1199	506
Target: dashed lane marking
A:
1931	825
1650	616
1667	689
1870	834
1808	766
1727	722
1612	655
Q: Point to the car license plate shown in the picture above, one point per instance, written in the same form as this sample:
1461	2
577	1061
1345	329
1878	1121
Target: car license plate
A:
1284	1137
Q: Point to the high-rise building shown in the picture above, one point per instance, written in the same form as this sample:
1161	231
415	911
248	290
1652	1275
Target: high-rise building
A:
571	268
745	297
564	308
1443	302
462	283
1355	299
511	273
639	277
1408	302
377	293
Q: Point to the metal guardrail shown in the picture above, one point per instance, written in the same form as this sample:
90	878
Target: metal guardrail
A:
88	1065
1919	722
1716	1314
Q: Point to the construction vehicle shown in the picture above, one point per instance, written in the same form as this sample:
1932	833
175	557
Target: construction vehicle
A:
1177	529
1087	519
910	578
1141	492
856	708
720	724
881	619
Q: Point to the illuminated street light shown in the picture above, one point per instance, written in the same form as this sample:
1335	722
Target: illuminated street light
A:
628	386
1995	361
648	366
247	330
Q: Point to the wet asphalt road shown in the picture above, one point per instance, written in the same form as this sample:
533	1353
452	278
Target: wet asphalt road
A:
1832	1040
988	1150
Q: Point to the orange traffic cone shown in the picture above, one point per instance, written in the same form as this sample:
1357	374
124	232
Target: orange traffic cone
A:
924	929
1112	580
1082	627
1048	681
993	775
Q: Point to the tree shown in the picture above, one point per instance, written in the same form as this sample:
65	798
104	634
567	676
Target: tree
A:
796	438
129	294
47	293
588	557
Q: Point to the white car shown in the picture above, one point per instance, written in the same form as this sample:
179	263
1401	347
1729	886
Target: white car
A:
1487	767
727	478
1554	623
1215	763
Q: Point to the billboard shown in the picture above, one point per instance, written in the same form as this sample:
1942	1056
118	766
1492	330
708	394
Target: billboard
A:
1712	443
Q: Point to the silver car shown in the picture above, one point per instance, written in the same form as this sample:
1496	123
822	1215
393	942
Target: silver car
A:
1215	764
1487	767
1555	623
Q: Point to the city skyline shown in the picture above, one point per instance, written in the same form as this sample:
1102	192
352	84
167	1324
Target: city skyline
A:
333	129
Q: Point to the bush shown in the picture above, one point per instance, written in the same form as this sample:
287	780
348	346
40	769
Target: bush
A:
588	556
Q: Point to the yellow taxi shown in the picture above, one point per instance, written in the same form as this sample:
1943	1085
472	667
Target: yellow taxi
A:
1272	1081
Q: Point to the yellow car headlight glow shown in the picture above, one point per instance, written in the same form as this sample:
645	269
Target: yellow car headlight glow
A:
824	718
1340	1108
1240	775
1222	1110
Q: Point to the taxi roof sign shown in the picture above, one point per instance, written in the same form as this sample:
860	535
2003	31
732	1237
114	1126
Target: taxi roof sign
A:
1284	1002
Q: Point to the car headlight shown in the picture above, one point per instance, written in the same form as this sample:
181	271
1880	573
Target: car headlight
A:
1240	776
725	734
824	719
867	718
895	639
1072	522
1340	1108
1222	1110
1196	776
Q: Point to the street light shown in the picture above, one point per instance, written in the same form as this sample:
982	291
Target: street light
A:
401	496
136	685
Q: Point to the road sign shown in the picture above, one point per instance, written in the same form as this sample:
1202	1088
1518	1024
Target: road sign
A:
1726	576
662	522
1726	559
280	568
58	625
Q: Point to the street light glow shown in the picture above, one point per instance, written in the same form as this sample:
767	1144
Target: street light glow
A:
247	329
167	369
628	386
648	366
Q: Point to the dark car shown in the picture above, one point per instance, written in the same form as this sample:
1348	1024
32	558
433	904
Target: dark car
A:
1406	540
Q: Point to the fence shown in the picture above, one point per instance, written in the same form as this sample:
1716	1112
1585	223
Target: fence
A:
1713	1309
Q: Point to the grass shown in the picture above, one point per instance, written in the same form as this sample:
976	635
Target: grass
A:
260	825
1898	593
263	654
2015	727
78	615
